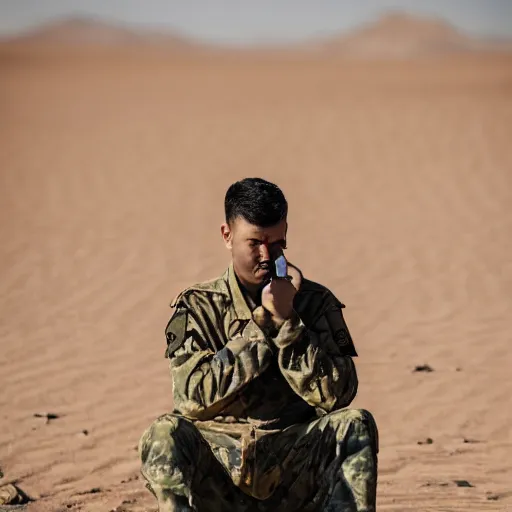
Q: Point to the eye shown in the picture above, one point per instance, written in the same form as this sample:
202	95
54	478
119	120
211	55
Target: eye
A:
279	245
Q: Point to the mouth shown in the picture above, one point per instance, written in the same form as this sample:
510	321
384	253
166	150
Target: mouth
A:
263	270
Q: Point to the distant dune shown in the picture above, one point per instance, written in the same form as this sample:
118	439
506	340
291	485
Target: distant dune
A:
83	31
393	35
404	35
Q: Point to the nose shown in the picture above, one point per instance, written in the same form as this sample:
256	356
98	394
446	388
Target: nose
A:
264	252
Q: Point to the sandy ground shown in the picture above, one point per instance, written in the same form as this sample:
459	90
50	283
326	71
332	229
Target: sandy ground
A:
113	170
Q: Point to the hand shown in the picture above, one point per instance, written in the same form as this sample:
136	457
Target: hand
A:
277	296
263	319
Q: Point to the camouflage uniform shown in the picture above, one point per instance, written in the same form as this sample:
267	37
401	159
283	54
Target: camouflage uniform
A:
259	423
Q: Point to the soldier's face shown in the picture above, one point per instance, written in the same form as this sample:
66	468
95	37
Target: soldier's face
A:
253	248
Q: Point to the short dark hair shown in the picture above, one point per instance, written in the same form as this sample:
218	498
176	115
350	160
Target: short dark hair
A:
256	200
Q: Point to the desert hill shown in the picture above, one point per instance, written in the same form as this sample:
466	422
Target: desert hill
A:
394	34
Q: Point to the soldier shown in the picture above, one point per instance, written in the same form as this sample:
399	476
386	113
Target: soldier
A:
262	371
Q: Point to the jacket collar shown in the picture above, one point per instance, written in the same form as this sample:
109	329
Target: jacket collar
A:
240	306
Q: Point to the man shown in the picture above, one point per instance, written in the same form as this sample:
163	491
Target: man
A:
262	370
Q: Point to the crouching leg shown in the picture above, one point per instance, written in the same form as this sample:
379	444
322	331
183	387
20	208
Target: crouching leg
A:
327	465
182	471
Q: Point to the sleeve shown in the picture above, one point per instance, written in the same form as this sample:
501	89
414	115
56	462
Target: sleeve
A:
205	380
317	361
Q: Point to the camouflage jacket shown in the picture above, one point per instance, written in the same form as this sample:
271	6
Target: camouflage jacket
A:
225	369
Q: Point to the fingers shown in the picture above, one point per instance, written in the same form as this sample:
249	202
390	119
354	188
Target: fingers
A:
260	315
263	318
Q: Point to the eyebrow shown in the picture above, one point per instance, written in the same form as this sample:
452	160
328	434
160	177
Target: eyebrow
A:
281	241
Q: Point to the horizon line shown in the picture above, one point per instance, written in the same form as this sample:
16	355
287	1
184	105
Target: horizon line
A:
152	28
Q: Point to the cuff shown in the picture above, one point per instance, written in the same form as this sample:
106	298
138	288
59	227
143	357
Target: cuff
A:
289	331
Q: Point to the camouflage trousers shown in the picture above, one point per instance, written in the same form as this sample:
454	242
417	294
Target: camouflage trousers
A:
327	465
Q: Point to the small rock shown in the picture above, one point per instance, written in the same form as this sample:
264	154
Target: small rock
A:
493	497
423	368
8	495
120	508
458	369
85	432
48	415
130	479
436	484
462	483
94	490
471	441
11	494
429	440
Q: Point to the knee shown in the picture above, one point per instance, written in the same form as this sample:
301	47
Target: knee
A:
358	424
166	429
162	448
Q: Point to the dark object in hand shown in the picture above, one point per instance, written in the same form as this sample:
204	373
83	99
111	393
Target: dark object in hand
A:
279	268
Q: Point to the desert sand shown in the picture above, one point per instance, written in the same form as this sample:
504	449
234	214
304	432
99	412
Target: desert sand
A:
114	165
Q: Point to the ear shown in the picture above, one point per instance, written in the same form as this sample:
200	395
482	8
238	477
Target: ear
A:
227	235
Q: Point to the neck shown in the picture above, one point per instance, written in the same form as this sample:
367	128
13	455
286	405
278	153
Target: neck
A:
250	289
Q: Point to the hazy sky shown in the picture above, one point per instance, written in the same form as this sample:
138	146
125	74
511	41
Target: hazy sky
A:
246	21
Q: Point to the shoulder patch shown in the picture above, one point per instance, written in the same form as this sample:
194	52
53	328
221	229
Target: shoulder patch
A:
339	330
175	331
